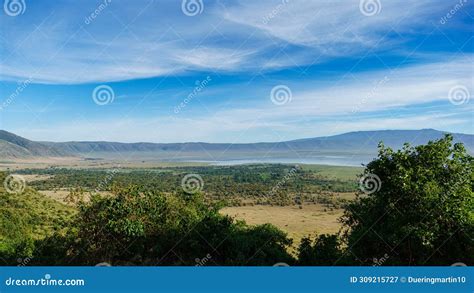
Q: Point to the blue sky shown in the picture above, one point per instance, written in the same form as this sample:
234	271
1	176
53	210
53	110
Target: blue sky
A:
178	74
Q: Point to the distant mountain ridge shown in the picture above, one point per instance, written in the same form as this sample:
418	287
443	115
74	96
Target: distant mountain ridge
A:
365	142
14	146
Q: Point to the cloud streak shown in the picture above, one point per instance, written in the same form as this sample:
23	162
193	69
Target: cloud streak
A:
357	102
152	38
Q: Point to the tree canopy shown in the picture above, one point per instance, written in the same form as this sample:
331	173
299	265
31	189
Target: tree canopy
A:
423	212
143	227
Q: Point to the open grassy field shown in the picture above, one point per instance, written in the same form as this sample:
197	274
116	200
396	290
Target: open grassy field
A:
334	172
310	220
81	163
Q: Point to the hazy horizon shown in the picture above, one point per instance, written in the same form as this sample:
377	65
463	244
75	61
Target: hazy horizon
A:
250	142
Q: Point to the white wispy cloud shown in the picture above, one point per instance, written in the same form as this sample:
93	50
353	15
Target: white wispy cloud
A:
333	27
150	38
384	99
365	92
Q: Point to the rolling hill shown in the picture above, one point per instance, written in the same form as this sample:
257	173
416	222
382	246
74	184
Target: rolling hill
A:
16	147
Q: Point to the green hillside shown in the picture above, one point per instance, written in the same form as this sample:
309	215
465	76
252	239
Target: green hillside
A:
27	216
14	146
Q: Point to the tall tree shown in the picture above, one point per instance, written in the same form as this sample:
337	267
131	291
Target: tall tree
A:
419	209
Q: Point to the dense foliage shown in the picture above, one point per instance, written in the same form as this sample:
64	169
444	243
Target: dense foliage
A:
141	227
420	213
423	213
324	250
231	184
26	217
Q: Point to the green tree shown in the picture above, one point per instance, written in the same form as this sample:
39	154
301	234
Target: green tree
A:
421	212
326	250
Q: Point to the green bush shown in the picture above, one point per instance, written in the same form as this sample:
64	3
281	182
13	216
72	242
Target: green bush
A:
423	213
326	250
142	227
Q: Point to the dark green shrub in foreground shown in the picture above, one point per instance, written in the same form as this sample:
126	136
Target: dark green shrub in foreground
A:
418	210
423	213
326	250
140	227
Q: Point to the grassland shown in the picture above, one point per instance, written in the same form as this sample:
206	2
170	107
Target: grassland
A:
309	220
334	172
80	163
